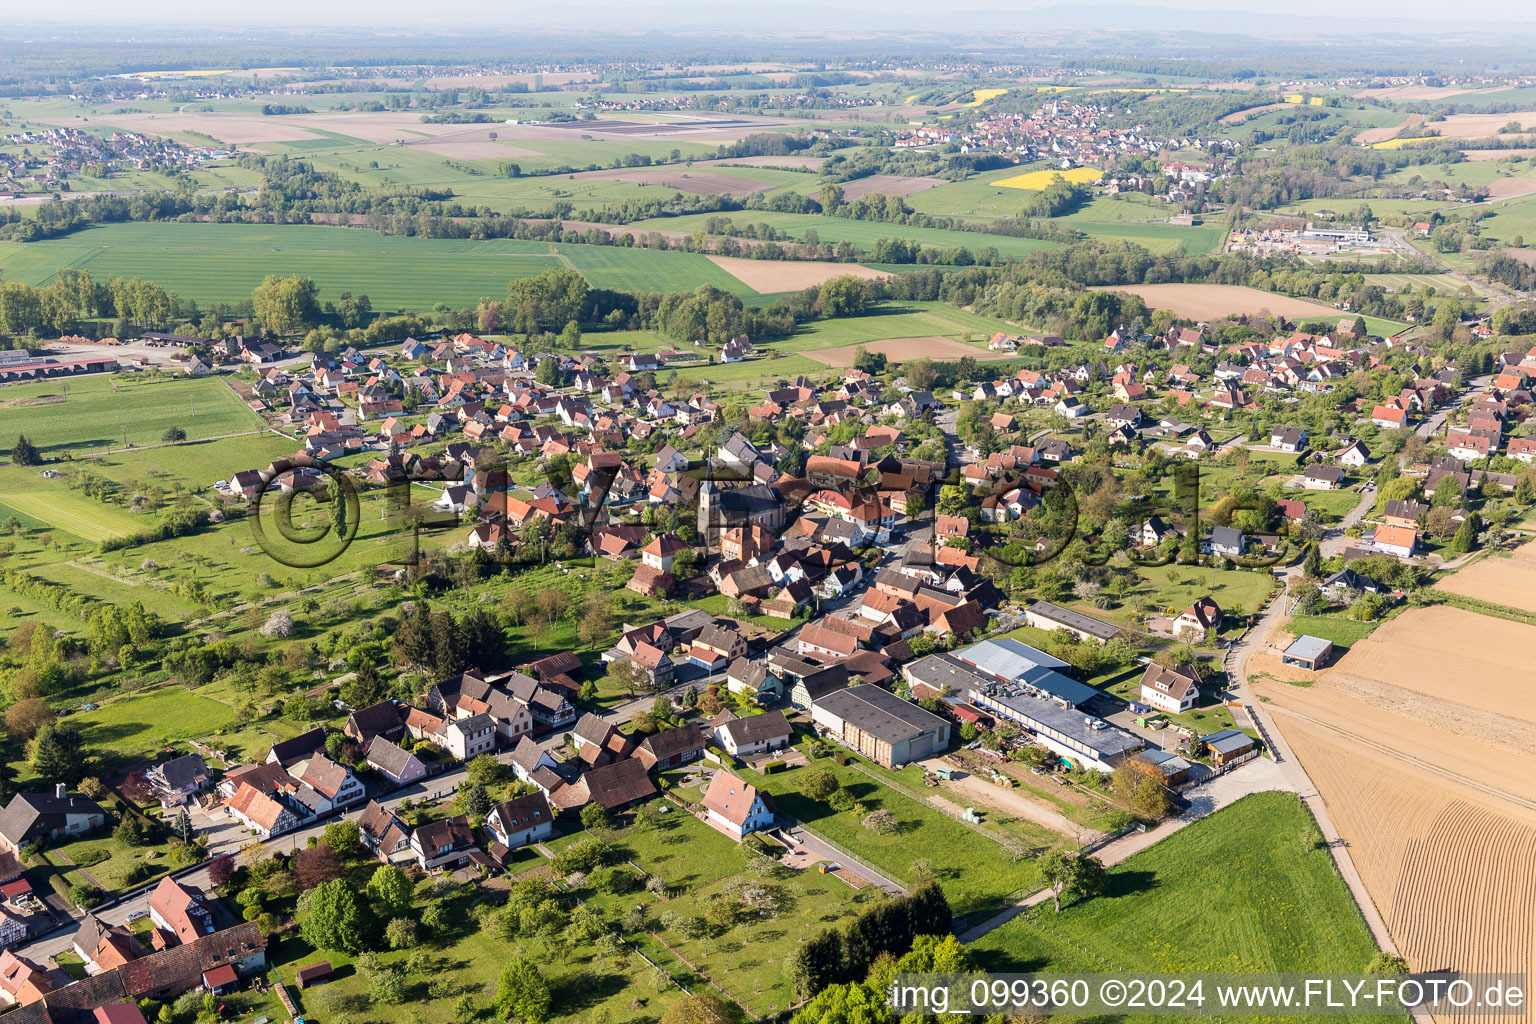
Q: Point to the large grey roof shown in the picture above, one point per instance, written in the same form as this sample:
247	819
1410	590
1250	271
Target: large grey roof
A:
879	712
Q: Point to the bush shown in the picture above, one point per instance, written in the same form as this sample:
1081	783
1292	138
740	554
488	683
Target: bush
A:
616	880
84	895
401	933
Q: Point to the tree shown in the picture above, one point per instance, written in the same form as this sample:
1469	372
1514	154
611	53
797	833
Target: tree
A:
570	336
1466	536
315	865
625	675
390	891
285	304
221	870
594	817
819	784
548	372
1313	566
472	800
337	495
27	717
400	933
24	453
57	753
522	993
1066	875
343	836
173	434
336	919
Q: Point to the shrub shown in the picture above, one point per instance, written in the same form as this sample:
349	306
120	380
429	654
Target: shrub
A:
401	933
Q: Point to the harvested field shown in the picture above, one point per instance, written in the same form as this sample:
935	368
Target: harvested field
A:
1523	255
1239	116
472	144
769	276
898	349
1423	752
1508	581
1480	126
1424	92
1497	154
1453	878
1214	301
889	184
1508	188
244	129
548	78
1383	134
704	183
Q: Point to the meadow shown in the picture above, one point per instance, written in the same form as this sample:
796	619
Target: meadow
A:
863	233
1252	887
73	415
144	722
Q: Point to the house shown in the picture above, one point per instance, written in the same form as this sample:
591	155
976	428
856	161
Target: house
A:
394	762
22	981
386	718
1169	689
1389	417
1288	439
1353	455
735	807
662	551
384	835
1323	478
1308	652
1225	542
445	843
1199	618
1169	769
1469	446
338	786
263	814
597	741
1123	416
1398	541
181	911
754	734
299	748
31	817
1403	513
1229	747
880	725
465	738
1345	583
104	947
13	930
1291	509
520	821
671	748
178	780
618	785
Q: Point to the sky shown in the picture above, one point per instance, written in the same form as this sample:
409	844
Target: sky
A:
667	14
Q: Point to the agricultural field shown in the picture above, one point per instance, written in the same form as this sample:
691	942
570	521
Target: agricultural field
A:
49	502
863	233
612	266
1036	181
1214	301
74	416
1250	888
1423	753
902	349
770	276
1499	578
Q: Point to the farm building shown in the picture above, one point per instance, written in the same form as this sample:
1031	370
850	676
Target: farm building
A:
1169	769
1008	661
1308	652
880	725
1044	615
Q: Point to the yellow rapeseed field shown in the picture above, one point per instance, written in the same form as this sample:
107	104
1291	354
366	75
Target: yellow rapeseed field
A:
980	96
1040	180
1400	143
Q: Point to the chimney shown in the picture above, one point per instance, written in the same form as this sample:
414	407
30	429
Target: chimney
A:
60	791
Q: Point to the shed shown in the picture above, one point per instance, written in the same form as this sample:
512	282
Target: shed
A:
314	974
1308	652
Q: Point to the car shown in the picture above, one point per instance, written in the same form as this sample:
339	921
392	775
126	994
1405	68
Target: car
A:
136	915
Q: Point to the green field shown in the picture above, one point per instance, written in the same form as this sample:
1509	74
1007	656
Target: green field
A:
142	723
863	233
66	510
73	415
641	270
1343	633
1253	887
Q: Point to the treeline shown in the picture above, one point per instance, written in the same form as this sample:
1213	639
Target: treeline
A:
889	927
178	522
1265	180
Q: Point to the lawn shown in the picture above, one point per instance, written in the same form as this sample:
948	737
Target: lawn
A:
1253	887
978	876
64	416
144	722
1343	633
1179	586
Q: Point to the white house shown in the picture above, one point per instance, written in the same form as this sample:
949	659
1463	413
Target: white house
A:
1169	689
754	734
522	820
465	738
736	808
